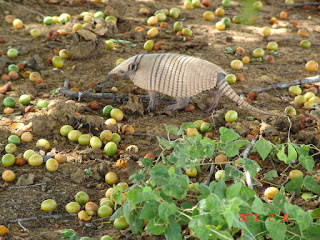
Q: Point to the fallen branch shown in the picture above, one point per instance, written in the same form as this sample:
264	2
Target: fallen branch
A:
115	97
40	218
299	5
211	172
283	85
27	186
29	10
147	135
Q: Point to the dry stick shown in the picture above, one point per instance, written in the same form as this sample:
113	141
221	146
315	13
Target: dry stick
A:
41	217
299	5
115	97
35	185
147	135
285	84
24	228
211	172
40	14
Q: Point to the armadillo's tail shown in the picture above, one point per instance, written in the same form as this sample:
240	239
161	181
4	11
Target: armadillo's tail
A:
225	88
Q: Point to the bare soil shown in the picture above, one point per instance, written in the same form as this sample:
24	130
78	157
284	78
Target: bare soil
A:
22	197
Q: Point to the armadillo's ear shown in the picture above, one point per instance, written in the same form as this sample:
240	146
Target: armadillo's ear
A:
133	66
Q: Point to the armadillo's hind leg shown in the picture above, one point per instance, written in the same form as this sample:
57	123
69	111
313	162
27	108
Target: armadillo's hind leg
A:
182	102
153	100
215	94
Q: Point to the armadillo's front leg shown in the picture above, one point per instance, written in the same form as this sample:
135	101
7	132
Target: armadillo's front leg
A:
215	94
153	100
181	103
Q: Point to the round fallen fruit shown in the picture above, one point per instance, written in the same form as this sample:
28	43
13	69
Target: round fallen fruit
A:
105	211
42	104
178	26
219	12
9	102
258	52
57	61
300	99
110	149
161	17
231	116
98	14
295	174
24	99
220	175
205	127
48	20
84	139
106	136
174	12
14	139
60	158
110	45
312	66
8	176
27	154
123	185
34	76
220	26
43	143
110	121
35	160
17	23
187	32
309	95
65	129
271	192
192	172
13	75
266	31
13	67
148	45
197	124
106	237
106	110
192	132
272	46
120	223
295	90
127	129
52	165
257	5
73	135
82	197
208	16
5	231
153	32
231	78
48	205
111	178
226	21
106	201
226	3
237	19
63	53
73	207
8	160
290	111
188	5
10	148
35	32
12	53
95	142
153	20
116	114
236	64
83	216
221	159
91	208
305	44
115	138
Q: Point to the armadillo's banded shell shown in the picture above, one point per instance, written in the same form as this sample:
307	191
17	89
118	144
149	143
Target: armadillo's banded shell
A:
175	75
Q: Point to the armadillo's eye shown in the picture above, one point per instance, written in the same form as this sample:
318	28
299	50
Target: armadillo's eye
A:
121	71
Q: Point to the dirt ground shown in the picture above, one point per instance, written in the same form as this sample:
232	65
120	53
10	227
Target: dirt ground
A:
22	197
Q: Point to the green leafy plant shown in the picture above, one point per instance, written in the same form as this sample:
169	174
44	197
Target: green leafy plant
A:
123	42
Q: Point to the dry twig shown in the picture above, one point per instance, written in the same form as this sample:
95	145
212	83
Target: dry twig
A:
41	217
299	5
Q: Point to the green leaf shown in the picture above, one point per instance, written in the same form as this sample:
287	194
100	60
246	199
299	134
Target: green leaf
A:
149	210
165	143
304	220
118	213
234	190
231	149
221	189
277	229
263	147
280	199
307	162
198	225
310	184
172	129
259	208
146	162
184	127
166	209
203	189
302	150
186	205
312	232
227	134
155	226
173	231
251	166
213	202
308	196
292	154
295	185
282	156
137	177
159	174
271	175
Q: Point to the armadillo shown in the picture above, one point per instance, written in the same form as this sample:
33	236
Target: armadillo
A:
179	76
